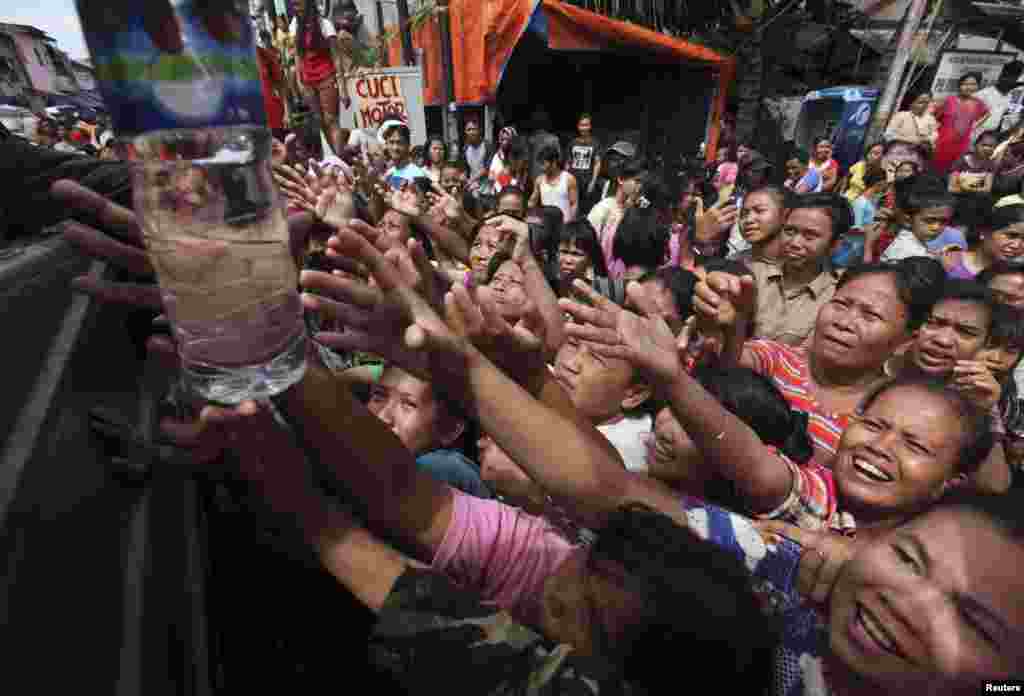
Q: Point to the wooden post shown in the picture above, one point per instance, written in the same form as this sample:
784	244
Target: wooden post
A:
904	47
451	121
408	57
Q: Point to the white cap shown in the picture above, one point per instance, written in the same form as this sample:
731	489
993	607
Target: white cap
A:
386	126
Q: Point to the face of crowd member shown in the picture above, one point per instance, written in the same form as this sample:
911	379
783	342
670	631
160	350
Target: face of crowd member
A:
968	87
761	217
806	237
955	330
601	388
487	242
795	169
436	152
397	147
512	204
905	170
985	146
473	133
613	162
573	261
669	447
1006	244
823	151
756	175
509	292
1009	289
577	596
874	155
687	199
504	139
921	104
901	153
552	166
932	606
894	458
742	152
1000	359
408	406
628	189
928	223
863	324
584	127
452	180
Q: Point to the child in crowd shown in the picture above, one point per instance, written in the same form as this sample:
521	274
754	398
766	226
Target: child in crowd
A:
801	176
850	249
929	213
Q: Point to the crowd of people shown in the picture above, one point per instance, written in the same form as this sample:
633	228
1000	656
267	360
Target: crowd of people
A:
763	417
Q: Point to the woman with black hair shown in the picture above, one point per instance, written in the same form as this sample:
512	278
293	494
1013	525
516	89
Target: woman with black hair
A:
958	116
319	67
673	457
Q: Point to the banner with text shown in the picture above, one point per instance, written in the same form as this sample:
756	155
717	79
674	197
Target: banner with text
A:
386	94
953	64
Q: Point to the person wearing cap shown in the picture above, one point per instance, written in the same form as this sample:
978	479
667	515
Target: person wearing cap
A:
611	164
397	140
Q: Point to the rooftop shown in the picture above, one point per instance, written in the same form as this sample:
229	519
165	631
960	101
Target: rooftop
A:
24	29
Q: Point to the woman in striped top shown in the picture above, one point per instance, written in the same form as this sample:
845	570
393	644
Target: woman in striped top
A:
874	311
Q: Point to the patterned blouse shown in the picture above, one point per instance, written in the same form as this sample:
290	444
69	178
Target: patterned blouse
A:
773	561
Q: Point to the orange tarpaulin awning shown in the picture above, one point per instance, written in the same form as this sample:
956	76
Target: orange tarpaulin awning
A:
485	33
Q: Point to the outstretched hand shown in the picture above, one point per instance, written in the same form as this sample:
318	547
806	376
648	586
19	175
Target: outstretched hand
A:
824	554
646	343
723	298
392	319
518	350
115	236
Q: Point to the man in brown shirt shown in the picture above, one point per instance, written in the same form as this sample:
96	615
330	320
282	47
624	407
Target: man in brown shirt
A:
789	294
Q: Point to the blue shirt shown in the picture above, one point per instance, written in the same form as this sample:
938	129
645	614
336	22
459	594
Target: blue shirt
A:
864	211
455	469
773	562
410	172
951	236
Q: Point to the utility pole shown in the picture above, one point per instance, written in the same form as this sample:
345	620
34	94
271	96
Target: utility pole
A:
451	122
904	47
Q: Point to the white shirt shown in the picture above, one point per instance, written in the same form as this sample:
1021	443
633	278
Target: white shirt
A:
997	103
326	27
601	212
904	246
627	437
556	194
475	159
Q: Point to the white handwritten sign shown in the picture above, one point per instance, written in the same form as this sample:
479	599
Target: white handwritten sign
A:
387	94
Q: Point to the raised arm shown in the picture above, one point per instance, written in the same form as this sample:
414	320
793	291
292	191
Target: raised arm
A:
270	458
581	469
574	198
449	239
726	443
538	289
725	303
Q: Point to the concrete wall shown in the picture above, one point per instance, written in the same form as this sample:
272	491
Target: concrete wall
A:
14	83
